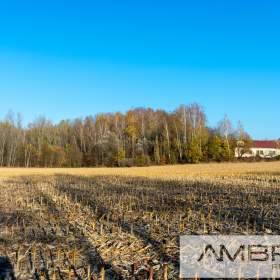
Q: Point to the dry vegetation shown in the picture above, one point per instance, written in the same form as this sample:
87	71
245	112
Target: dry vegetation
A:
127	227
159	172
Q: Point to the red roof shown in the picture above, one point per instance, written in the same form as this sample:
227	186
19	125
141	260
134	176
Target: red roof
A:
265	144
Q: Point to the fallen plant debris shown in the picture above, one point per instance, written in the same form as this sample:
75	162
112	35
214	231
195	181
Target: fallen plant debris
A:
112	227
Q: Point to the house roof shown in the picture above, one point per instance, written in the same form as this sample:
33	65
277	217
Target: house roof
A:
265	144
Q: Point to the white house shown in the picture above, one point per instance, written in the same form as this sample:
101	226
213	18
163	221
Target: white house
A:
263	149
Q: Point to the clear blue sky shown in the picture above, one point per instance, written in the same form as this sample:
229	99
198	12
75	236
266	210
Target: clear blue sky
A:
65	59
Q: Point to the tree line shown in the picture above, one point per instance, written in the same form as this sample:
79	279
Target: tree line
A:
139	137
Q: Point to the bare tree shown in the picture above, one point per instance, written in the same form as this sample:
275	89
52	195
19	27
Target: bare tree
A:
225	128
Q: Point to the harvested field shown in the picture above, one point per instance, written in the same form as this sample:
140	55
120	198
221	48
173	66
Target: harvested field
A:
123	227
160	172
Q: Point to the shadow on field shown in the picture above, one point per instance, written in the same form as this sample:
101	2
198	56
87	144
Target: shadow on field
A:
6	269
241	206
221	206
91	254
140	227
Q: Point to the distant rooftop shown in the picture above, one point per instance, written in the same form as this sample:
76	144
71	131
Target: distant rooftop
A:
268	144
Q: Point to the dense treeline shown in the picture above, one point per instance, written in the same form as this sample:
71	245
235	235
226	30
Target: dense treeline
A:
139	137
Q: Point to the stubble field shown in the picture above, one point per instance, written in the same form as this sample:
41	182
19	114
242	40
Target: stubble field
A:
154	172
126	223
